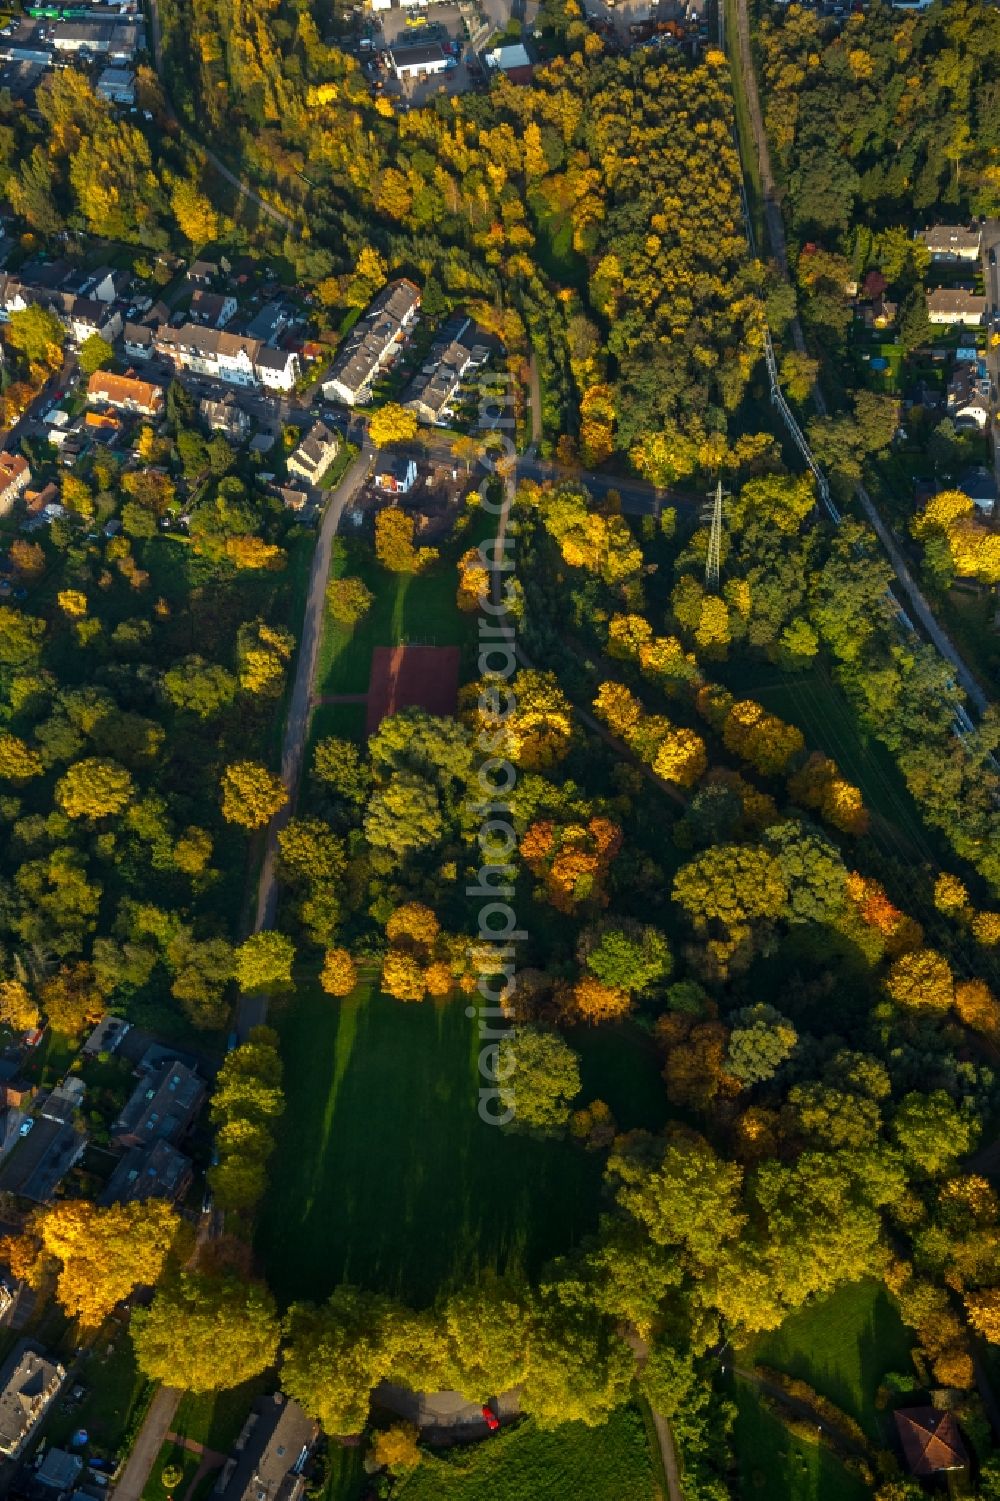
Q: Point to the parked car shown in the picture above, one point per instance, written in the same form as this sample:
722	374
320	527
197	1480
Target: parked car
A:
491	1419
26	1127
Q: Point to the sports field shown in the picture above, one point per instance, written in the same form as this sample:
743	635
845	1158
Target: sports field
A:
405	677
384	1173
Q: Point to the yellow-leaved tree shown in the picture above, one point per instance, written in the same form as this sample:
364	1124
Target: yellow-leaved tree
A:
251	794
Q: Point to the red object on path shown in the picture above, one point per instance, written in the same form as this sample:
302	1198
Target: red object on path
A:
406	677
492	1421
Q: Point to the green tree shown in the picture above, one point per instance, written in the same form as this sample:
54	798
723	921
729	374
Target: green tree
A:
264	960
37	333
760	1041
539	1076
95	354
206	1332
627	955
932	1132
199	687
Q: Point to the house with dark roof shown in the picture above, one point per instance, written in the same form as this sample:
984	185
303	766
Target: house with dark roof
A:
156	1172
162	1106
214	309
271	1453
372	343
931	1442
314	454
236	358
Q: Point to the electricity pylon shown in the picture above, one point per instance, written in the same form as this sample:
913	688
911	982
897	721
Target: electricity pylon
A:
714	539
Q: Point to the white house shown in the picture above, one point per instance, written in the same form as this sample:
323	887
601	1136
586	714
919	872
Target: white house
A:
419	59
230	357
952	242
372	343
314	454
952	305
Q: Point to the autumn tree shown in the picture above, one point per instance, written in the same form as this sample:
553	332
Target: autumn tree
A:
348	600
394	543
206	1332
37	333
94	788
396	1448
17	1009
18	762
392	423
104	1254
339	974
251	794
922	978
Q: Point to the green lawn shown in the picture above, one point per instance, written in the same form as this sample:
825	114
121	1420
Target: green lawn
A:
345	1478
573	1463
214	1419
622	1066
813	701
843	1346
155	1490
773	1463
384	1173
114	1392
406	607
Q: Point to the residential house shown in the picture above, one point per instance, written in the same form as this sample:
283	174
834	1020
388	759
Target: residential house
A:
28	1383
226	417
314	454
397	475
930	1440
15	477
434	391
156	1172
955	305
63	1103
58	1471
215	309
138	341
419	59
372	343
969	396
230	357
512	58
162	1107
980	485
14	1091
125	392
106	1036
84	316
295	500
271	1453
117	86
202	273
952	242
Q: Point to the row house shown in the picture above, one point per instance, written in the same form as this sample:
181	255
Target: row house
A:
234	358
372	343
